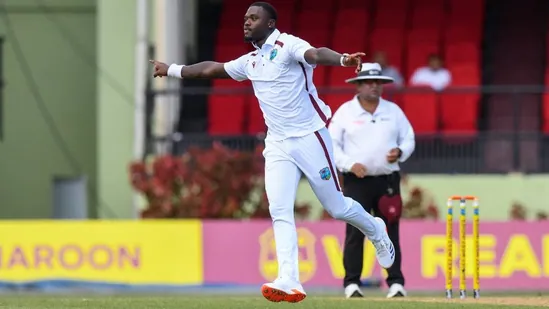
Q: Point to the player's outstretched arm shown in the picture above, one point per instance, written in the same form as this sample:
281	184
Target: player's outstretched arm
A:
326	56
204	70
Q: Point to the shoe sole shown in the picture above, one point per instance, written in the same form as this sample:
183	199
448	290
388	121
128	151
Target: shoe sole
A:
397	295
276	295
356	294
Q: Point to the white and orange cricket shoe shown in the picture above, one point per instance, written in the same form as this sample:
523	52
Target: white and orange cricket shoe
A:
385	251
280	290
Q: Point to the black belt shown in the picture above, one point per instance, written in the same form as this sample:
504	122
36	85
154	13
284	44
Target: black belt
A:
373	176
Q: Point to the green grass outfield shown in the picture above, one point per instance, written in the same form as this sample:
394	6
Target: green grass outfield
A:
21	301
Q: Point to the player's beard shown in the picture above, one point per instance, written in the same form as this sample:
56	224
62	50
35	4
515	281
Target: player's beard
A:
255	37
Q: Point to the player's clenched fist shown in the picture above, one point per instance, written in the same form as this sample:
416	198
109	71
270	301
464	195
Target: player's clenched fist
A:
160	68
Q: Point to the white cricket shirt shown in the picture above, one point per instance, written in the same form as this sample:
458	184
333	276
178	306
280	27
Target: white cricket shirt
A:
283	84
361	137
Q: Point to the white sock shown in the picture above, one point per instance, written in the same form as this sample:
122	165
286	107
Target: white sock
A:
285	234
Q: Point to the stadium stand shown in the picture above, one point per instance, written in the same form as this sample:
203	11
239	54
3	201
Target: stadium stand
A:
451	28
509	113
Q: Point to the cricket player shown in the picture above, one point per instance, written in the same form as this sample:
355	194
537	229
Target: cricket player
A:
297	141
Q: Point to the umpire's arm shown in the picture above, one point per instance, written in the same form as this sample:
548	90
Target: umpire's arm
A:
406	137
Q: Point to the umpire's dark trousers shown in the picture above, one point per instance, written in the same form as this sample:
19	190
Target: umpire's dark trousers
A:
367	191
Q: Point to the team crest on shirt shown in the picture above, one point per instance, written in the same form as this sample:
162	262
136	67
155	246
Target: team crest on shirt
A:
274	52
325	173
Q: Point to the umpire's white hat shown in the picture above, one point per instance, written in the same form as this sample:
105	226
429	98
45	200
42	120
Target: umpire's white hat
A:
370	71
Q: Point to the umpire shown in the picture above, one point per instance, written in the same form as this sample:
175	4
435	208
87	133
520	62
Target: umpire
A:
370	136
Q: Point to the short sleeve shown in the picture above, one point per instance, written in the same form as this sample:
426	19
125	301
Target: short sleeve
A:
237	68
298	48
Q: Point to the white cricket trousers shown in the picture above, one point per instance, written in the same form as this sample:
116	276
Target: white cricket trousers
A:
285	161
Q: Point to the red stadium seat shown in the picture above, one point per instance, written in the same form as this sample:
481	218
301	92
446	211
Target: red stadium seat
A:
422	111
226	114
466	7
233	10
472	21
429	18
353	18
418	36
465	74
468	14
306	20
338	75
393	52
459	34
313	5
229	35
418	54
459	53
286	20
225	53
281	4
429	4
342	42
390	19
387	35
391	95
355	5
395	5
320	76
230	52
459	112
390	41
315	37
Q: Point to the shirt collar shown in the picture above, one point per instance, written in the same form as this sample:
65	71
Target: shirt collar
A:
270	40
359	110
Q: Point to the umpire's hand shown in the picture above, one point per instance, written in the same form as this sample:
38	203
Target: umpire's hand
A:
393	155
359	170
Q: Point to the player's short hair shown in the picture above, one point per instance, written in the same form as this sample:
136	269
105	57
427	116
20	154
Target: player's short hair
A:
267	7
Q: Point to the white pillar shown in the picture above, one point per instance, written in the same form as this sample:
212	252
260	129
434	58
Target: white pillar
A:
140	79
170	48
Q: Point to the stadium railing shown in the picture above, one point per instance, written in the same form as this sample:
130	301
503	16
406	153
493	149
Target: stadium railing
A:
512	149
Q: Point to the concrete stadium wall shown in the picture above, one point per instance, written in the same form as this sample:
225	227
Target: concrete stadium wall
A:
57	41
82	57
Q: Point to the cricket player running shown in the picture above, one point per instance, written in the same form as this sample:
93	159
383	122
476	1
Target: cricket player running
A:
281	71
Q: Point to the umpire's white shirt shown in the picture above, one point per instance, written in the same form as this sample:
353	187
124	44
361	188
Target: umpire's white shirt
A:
283	84
361	137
